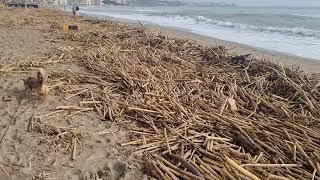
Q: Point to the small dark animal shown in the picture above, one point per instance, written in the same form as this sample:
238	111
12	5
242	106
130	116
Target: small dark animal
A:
242	59
31	84
37	85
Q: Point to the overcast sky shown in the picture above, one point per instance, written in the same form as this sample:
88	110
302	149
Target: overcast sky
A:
278	2
270	2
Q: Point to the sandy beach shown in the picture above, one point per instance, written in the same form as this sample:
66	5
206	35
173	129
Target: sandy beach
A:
143	102
28	155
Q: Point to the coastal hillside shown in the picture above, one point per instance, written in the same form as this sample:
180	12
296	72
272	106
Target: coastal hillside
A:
128	103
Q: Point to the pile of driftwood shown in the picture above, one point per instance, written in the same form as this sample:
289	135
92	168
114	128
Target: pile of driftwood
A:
194	112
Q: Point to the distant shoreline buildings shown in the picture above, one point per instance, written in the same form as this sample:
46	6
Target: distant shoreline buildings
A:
88	2
119	2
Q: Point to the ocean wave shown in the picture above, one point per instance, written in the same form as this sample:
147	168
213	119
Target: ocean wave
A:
203	19
148	10
296	31
198	20
176	3
304	15
283	40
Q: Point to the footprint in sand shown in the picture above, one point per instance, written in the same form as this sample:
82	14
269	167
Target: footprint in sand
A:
119	169
104	173
116	172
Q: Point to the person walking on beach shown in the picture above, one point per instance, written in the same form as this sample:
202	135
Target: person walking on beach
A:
75	10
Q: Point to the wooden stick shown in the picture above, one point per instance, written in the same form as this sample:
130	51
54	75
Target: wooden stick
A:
206	171
318	167
73	108
258	158
314	174
226	173
307	158
241	169
173	148
90	102
142	110
211	171
271	165
73	95
167	176
197	167
4	170
54	112
166	169
210	161
73	157
276	177
295	152
131	143
142	133
106	131
158	170
167	142
185	164
223	106
218	138
266	146
210	155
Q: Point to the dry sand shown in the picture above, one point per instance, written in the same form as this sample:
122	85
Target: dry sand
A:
27	155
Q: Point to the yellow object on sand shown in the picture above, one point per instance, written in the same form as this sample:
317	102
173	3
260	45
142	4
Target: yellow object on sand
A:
66	27
2	5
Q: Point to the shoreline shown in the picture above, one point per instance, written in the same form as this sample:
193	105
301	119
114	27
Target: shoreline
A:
307	64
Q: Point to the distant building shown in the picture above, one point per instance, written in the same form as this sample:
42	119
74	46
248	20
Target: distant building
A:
95	2
84	2
41	2
59	2
115	2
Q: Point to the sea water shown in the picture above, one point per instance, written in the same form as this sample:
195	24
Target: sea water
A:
291	30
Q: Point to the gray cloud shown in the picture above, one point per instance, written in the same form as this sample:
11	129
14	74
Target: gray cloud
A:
309	3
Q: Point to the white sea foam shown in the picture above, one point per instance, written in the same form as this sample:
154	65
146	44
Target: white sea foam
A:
203	19
312	15
296	31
